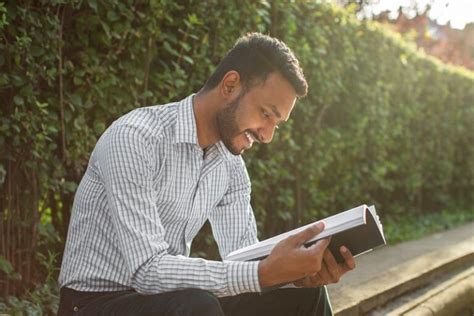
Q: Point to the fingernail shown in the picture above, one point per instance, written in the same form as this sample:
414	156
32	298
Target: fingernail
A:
320	225
343	249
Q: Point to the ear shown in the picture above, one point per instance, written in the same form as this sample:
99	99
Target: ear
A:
230	85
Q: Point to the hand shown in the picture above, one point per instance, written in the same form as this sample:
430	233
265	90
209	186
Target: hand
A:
331	271
290	260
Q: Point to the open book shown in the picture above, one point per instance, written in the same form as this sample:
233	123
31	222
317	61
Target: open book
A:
359	229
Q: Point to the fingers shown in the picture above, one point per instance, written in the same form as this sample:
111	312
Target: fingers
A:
320	246
303	282
325	275
348	258
329	270
309	281
300	283
332	266
315	280
305	235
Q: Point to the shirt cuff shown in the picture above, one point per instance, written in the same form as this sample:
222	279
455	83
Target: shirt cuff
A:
242	277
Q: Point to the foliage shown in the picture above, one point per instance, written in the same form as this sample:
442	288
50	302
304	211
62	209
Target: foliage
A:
43	299
382	123
409	228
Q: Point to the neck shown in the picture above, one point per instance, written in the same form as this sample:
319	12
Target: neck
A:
205	106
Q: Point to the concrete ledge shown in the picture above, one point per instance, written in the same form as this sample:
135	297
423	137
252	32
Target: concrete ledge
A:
359	297
447	298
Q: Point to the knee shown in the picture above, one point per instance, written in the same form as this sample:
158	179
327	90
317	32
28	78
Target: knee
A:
316	301
308	300
201	302
301	295
311	293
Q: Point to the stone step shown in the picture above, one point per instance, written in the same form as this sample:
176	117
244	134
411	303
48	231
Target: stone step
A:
392	271
451	295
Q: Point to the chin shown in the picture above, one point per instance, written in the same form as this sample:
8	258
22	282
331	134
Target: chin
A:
236	151
233	149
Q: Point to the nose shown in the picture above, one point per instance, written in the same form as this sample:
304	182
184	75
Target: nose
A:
265	135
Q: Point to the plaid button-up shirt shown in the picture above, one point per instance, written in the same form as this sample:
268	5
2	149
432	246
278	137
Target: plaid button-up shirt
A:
147	191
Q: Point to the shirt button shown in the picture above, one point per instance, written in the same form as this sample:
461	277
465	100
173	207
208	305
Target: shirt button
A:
75	308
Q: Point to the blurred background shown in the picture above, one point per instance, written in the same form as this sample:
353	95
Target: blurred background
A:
388	119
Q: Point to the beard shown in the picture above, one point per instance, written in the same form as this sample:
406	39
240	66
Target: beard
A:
228	129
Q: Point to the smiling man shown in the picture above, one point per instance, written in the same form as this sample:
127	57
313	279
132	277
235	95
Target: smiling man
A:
158	173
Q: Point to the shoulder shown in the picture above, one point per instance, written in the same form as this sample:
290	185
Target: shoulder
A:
238	170
151	123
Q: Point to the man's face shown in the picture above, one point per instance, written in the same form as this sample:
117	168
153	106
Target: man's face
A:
254	115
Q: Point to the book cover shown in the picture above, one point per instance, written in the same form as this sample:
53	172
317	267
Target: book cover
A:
359	229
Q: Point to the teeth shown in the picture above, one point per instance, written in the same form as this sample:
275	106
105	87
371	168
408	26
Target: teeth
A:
249	137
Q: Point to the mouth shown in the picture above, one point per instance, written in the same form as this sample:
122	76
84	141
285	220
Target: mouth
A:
250	138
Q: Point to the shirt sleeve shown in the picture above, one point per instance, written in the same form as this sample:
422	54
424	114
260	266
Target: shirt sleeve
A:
128	166
233	222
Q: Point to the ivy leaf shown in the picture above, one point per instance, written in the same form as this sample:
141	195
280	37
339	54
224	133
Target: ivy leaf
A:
76	99
5	265
112	16
36	51
18	100
188	59
93	5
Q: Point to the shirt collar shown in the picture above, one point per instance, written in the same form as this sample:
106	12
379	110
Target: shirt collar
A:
186	129
224	151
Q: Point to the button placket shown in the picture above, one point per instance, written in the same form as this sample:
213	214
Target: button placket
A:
197	165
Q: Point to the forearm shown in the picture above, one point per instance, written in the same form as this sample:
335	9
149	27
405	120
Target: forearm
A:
168	273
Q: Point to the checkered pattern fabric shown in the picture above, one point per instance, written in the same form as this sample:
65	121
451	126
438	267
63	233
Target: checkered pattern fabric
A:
147	191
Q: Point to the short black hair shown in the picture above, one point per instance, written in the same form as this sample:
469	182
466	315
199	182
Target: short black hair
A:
255	56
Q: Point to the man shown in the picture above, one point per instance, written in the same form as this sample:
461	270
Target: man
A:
158	173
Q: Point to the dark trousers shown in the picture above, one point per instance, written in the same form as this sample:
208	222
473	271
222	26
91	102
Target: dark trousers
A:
195	302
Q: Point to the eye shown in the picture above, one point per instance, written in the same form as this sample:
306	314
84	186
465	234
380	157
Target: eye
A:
265	114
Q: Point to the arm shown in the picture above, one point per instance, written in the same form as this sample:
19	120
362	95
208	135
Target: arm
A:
127	164
234	227
233	222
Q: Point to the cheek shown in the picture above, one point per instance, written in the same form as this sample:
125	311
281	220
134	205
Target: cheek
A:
247	120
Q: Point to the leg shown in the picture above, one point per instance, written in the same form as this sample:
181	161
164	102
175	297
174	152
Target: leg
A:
190	302
301	301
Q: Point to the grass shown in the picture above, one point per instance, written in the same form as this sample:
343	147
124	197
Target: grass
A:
410	228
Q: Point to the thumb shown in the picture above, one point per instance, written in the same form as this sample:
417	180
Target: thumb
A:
305	235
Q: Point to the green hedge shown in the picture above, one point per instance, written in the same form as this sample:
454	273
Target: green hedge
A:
382	123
